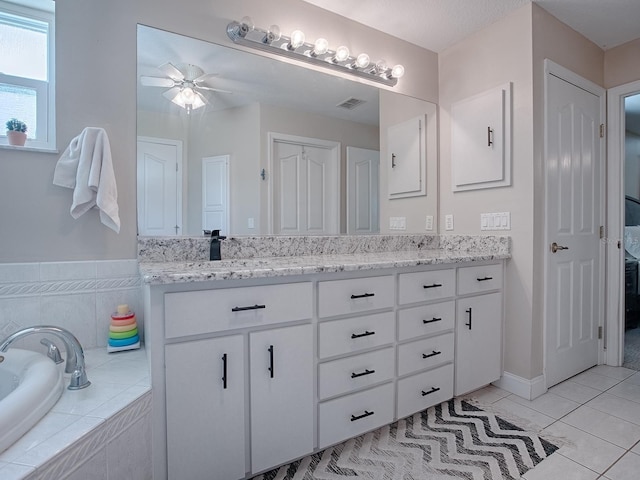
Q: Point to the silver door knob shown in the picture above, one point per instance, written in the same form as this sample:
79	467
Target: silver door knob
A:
555	247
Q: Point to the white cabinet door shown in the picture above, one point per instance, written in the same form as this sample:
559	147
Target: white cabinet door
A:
205	409
281	372
481	140
478	342
407	149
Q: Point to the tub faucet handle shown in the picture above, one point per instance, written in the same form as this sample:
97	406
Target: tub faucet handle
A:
53	352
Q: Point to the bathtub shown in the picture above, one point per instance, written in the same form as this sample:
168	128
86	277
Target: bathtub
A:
30	384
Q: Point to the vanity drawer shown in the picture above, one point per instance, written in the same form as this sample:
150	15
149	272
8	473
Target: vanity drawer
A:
339	297
206	311
425	353
354	334
423	390
349	416
479	279
426	286
426	320
352	373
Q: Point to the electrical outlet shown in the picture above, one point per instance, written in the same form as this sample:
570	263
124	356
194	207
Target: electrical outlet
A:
251	223
429	223
448	222
397	223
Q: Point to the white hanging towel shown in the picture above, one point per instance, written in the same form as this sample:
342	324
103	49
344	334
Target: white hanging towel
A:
87	168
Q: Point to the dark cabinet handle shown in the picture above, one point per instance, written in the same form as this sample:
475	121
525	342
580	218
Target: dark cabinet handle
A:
364	295
434	319
253	307
224	371
271	367
362	374
358	417
489	136
365	334
484	279
434	285
428	355
433	390
470	316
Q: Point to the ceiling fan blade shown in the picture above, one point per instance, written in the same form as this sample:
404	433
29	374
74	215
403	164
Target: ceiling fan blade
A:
211	89
156	81
171	71
204	77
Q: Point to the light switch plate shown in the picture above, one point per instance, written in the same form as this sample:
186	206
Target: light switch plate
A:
429	223
495	221
251	223
397	223
448	222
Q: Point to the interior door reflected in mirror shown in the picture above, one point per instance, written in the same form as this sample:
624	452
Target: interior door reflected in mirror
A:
237	142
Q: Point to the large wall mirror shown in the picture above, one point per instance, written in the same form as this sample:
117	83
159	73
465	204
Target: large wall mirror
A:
276	149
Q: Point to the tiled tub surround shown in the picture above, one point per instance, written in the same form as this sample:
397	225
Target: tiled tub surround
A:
192	249
110	416
100	432
78	296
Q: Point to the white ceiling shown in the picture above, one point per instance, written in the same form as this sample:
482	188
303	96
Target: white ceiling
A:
439	24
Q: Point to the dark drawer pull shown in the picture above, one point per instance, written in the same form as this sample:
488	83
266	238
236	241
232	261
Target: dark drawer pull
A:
434	285
365	334
364	295
253	307
224	371
358	417
271	366
434	319
428	355
433	390
362	374
470	312
484	279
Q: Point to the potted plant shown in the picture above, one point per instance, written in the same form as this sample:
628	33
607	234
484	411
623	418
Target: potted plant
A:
16	132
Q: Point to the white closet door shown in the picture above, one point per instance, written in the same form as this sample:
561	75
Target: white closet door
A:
407	151
159	187
362	190
215	193
305	188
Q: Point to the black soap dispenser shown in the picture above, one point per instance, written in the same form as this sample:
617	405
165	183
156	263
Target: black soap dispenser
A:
214	249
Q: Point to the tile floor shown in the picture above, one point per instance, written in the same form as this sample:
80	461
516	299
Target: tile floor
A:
595	414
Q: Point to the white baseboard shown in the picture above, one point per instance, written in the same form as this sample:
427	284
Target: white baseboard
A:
527	389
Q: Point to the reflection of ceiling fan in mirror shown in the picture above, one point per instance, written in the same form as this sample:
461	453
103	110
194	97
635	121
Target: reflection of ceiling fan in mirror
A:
186	82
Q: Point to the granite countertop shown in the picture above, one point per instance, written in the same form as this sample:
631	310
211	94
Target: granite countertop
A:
157	273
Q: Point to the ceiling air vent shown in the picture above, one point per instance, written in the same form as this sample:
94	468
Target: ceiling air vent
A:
350	103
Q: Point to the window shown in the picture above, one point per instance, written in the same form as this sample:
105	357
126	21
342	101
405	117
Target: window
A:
27	72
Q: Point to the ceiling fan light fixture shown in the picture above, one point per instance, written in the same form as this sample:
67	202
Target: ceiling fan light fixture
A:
317	53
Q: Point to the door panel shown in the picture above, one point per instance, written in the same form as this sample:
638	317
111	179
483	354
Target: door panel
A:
573	287
305	187
362	190
159	188
215	193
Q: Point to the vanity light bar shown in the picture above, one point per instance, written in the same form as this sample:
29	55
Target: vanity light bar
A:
318	53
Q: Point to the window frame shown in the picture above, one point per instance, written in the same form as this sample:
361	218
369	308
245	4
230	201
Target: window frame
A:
45	106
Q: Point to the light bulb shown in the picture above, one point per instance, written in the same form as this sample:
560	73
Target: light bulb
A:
320	47
397	71
342	53
297	39
272	35
187	95
362	61
246	26
381	66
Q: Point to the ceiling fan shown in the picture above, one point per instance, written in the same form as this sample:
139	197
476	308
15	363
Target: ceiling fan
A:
186	82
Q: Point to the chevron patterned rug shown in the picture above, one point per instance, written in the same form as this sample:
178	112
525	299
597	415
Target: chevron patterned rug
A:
452	440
